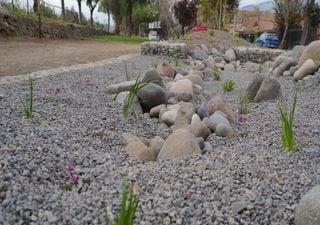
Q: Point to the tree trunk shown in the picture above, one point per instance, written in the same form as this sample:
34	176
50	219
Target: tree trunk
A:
108	28
284	34
182	30
306	21
129	17
91	17
80	13
63	12
164	23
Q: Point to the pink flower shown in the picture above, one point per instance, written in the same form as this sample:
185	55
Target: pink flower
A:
71	168
97	87
57	90
74	179
242	118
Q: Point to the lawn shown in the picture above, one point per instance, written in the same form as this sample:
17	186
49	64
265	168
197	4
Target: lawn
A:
118	38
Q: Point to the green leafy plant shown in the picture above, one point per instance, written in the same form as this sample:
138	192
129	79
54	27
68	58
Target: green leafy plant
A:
216	72
243	103
129	100
228	85
287	119
177	62
28	103
128	76
127	210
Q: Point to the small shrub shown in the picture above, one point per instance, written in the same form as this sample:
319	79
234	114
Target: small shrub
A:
287	119
216	72
129	101
243	103
236	39
177	62
228	85
127	210
28	103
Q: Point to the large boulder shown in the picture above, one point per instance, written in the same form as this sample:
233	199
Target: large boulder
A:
217	118
151	95
195	79
284	66
182	86
254	86
224	130
120	87
121	97
307	212
139	151
311	52
155	111
270	89
166	70
184	115
180	143
215	52
308	67
169	115
152	76
198	129
230	56
199	54
203	111
156	144
220	104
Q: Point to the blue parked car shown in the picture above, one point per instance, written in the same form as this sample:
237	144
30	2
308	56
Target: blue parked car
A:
268	39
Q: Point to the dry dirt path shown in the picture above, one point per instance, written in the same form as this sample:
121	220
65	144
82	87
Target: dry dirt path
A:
25	55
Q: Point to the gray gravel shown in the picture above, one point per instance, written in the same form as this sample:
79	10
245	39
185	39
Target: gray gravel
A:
249	179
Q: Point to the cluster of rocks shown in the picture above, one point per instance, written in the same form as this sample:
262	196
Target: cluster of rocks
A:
179	50
11	25
202	52
170	103
256	55
301	63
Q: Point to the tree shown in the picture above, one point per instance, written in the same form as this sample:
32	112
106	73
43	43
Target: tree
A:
287	15
92	4
80	13
164	21
186	12
63	11
315	16
307	9
144	13
105	6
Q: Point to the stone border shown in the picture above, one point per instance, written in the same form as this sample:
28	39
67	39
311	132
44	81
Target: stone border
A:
60	70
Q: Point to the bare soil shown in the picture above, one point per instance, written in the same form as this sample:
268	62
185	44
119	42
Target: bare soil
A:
25	55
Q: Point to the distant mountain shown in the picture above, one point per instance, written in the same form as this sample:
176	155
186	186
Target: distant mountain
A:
264	6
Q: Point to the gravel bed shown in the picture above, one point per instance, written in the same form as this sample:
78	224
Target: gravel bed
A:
249	179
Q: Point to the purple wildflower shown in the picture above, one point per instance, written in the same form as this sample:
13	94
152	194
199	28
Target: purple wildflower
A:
57	90
242	118
97	87
71	168
74	179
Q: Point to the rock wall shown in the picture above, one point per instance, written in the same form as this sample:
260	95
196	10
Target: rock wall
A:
11	25
256	55
179	50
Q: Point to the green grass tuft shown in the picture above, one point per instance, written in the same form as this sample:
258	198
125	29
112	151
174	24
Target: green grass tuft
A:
129	101
128	76
228	85
287	119
28	104
127	210
216	72
243	103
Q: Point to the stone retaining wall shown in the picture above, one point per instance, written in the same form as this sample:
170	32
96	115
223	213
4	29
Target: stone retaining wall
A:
11	25
256	55
179	50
